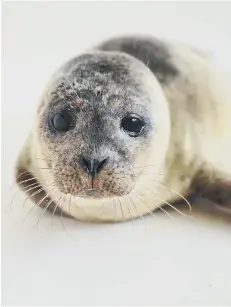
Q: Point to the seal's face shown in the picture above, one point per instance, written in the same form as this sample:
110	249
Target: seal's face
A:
94	126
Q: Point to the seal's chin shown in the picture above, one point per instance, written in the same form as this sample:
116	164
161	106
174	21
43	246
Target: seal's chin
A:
93	193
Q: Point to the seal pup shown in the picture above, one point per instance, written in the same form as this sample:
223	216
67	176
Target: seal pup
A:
133	125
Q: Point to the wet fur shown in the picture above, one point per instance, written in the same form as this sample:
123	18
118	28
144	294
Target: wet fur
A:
199	148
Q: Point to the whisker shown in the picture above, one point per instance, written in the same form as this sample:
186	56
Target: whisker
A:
37	192
129	211
146	174
43	159
162	209
30	185
189	205
35	205
162	185
53	213
50	168
70	204
178	194
155	203
19	177
151	213
173	207
30	179
166	204
151	174
138	213
114	209
37	185
26	180
143	166
43	212
122	212
61	218
158	206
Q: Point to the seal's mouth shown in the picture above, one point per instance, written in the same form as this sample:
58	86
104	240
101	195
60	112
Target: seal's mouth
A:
103	186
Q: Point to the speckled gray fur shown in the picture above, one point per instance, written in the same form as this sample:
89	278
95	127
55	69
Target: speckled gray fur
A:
98	90
152	52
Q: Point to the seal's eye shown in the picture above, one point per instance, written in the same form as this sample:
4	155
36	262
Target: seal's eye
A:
62	121
132	125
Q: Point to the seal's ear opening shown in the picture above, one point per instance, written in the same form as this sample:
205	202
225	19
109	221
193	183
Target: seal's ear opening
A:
31	186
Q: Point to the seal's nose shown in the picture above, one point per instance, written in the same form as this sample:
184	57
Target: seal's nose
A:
93	166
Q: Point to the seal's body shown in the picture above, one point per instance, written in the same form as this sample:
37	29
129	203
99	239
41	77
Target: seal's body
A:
131	126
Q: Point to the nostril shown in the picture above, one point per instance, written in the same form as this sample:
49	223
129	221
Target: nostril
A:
87	164
93	166
101	165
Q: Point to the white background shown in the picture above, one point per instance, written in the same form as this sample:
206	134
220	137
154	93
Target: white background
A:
165	262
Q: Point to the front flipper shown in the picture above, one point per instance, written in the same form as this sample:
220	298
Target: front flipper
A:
215	188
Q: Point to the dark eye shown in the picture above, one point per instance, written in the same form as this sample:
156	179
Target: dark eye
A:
132	125
62	121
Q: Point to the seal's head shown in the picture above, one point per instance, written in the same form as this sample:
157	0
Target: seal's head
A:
102	119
